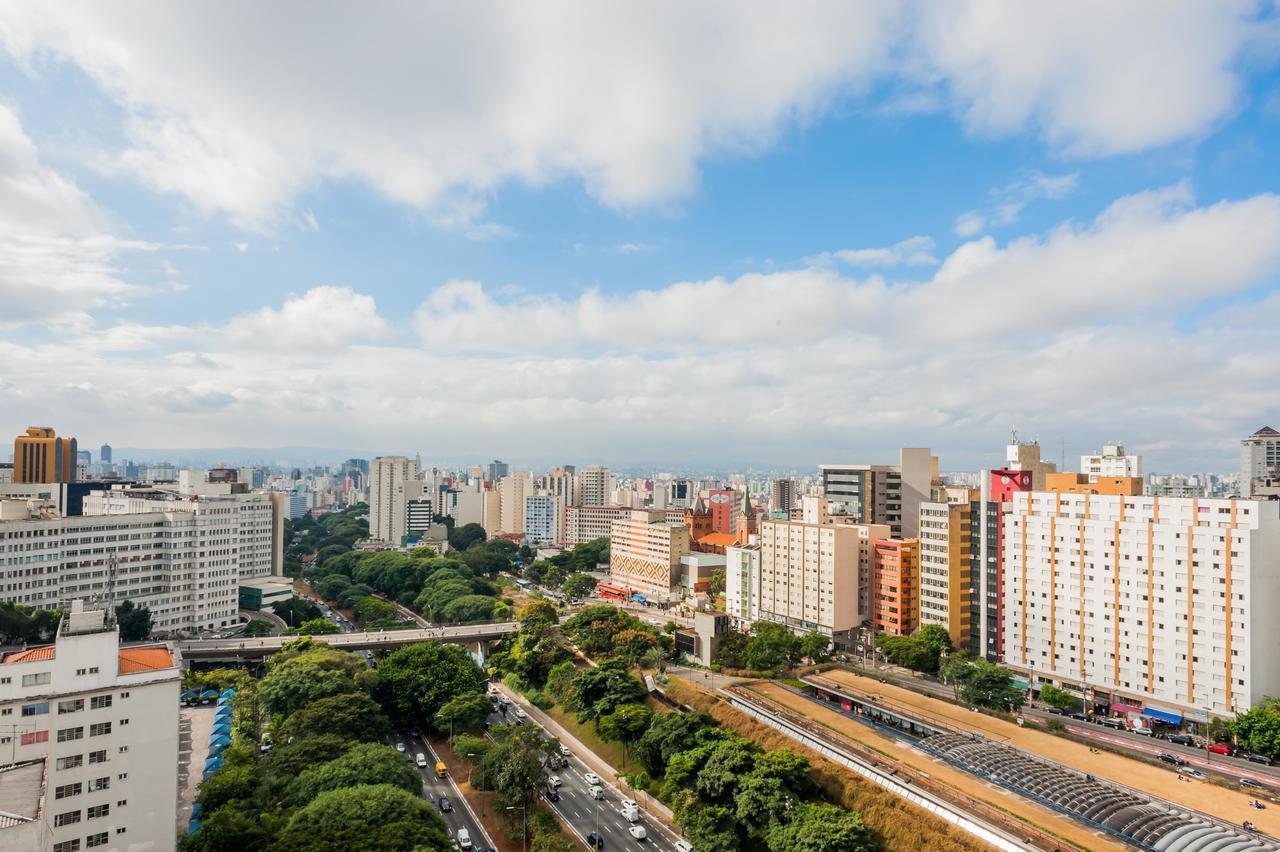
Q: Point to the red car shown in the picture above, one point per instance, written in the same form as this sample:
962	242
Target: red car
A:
1218	748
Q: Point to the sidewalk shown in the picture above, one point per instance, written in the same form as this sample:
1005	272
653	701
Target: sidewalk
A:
592	760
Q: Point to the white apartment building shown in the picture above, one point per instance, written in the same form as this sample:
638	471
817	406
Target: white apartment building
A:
544	518
742	583
595	484
104	719
588	523
1112	461
814	575
645	551
1259	460
388	497
181	563
1161	603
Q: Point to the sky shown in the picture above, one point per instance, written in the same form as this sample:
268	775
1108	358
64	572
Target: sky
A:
730	234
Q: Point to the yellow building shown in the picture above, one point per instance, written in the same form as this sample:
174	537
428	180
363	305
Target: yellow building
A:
41	456
946	587
644	553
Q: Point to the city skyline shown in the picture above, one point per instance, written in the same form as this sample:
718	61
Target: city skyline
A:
883	229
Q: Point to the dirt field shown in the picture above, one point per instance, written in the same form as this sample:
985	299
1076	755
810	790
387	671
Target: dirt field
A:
1207	798
1043	818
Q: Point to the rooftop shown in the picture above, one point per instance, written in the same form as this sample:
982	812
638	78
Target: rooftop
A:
21	793
31	655
1266	432
145	659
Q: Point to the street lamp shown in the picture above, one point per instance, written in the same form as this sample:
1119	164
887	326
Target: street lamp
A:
524	815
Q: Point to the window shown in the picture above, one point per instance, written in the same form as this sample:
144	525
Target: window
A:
124	695
68	790
122	803
123	776
67	819
100	702
73	706
37	679
67	846
124	749
68	734
124	721
98	811
35	737
97	784
98	756
97	729
38	709
99	839
71	761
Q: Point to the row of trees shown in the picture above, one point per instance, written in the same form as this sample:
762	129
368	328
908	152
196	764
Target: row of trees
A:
920	652
981	682
328	536
567	570
770	647
329	783
20	624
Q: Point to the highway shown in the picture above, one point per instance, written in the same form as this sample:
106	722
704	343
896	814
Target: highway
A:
195	649
585	815
460	815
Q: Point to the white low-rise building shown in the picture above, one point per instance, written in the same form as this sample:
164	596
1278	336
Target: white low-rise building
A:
1164	604
104	720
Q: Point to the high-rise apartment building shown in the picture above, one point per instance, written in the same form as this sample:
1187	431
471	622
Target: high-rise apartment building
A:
544	518
1160	604
742	583
103	719
595	484
513	490
588	523
389	498
812	575
1112	461
41	456
882	494
998	490
895	586
782	495
1259	460
947	534
645	551
419	515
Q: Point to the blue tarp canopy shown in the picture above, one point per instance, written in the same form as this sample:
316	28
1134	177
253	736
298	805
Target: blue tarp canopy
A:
219	738
228	691
223	710
209	693
190	693
223	728
1163	715
639	598
224	700
193	826
195	811
213	762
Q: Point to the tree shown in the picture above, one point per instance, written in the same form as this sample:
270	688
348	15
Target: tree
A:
467	609
989	685
302	673
226	830
350	716
733	647
332	587
771	646
625	725
538	612
296	610
672	733
375	612
227	784
598	691
821	827
134	621
287	759
715	586
463	537
513	766
579	585
761	803
1258	730
414	682
729	761
815	646
369	816
466	712
370	763
1059	698
709	828
791	770
20	623
314	627
257	628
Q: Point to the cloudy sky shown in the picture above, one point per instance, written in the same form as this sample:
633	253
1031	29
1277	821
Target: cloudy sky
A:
722	233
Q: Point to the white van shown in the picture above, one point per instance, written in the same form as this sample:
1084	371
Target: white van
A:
631	813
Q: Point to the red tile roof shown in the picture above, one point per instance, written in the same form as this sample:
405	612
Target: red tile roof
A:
144	659
31	655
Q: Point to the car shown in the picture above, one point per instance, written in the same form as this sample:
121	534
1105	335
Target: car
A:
631	814
683	846
554	781
564	751
464	839
1249	782
595	841
551	794
639	832
415	732
1171	758
1079	717
1190	772
1218	748
445	805
400	747
1142	732
630	803
1182	739
1257	758
591	778
1056	711
421	759
597	792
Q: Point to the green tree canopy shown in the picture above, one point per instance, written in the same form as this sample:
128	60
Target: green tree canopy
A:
369	816
464	713
353	716
369	763
538	612
303	673
1258	730
626	724
415	681
287	759
465	536
598	691
579	585
314	627
821	827
771	646
1059	698
134	622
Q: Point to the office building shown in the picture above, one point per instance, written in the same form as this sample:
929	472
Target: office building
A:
419	515
544	518
595	485
814	575
588	523
895	586
41	456
513	490
496	470
297	504
104	454
947	533
1112	461
1259	460
882	494
103	720
782	495
644	554
1145	604
388	497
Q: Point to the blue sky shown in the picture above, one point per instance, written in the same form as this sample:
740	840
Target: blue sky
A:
723	236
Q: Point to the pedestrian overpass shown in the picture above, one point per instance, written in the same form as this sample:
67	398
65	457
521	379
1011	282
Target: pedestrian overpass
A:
254	648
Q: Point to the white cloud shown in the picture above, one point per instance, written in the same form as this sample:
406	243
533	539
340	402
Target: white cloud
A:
435	107
913	251
322	318
1007	202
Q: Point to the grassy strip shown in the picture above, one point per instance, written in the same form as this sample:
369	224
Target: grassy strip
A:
586	734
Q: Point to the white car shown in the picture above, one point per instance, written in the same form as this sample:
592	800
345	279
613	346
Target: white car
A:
629	803
597	792
564	750
638	832
683	846
421	759
1189	772
464	839
591	778
554	780
400	747
631	814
